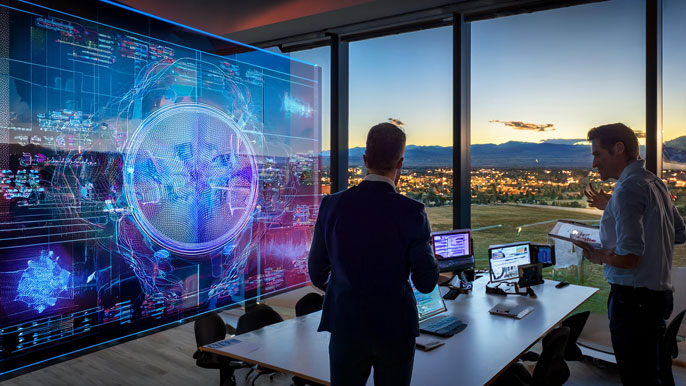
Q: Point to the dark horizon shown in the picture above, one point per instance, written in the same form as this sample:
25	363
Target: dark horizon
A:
515	155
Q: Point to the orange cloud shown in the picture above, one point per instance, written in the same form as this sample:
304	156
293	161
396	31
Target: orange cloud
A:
396	122
519	125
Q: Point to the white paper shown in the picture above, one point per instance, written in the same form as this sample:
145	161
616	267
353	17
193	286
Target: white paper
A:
566	254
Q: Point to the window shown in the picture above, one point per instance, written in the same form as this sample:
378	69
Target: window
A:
673	112
407	79
539	82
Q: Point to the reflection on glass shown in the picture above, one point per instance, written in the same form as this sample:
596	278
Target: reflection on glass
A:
321	57
143	182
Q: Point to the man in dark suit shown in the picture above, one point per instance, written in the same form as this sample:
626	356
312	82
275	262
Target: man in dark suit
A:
367	242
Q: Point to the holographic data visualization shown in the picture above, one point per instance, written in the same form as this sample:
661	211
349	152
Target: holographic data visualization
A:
143	181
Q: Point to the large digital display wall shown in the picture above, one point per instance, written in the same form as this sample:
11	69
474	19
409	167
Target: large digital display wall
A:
143	182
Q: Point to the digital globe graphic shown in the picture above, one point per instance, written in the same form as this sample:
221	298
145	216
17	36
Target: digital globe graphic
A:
191	178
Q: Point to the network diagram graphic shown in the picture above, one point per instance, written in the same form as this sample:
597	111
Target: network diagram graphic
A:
144	182
42	282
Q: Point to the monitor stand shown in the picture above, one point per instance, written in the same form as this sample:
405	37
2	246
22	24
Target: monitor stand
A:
460	283
496	289
463	279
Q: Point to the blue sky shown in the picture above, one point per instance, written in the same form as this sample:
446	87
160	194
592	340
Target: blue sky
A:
573	68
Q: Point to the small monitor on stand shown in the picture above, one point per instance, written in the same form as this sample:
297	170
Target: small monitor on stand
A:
544	254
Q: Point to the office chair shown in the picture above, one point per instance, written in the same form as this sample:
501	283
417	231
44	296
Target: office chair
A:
210	329
261	315
576	324
551	369
669	350
256	317
308	304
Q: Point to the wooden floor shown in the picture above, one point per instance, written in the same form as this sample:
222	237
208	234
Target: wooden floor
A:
165	358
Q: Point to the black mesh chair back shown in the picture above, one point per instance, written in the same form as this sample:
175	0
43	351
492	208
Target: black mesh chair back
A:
551	369
308	304
208	329
257	317
669	350
576	324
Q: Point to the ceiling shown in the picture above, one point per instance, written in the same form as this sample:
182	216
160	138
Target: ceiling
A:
265	23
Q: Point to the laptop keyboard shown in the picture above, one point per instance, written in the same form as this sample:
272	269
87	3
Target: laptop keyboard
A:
445	264
443	325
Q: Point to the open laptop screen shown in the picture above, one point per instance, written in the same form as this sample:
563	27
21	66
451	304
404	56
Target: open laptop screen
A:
505	259
429	304
453	249
451	244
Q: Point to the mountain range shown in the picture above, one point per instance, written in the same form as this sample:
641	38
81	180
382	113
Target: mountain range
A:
514	154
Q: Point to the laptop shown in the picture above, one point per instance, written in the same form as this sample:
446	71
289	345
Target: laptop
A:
430	307
453	249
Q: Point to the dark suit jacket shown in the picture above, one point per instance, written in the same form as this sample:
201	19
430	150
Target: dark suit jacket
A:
370	239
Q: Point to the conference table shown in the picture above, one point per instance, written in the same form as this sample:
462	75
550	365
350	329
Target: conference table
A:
475	356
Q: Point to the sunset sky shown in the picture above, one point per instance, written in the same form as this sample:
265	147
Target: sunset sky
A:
540	76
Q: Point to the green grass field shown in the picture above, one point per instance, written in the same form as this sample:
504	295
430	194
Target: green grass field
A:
534	227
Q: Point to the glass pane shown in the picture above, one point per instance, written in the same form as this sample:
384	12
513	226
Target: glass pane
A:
407	79
540	81
321	57
674	109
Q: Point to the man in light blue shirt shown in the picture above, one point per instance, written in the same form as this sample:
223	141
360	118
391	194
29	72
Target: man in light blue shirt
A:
638	230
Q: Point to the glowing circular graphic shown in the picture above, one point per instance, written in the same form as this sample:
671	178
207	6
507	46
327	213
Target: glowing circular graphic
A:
191	178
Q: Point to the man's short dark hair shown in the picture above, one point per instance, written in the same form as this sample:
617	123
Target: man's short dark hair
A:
385	146
610	134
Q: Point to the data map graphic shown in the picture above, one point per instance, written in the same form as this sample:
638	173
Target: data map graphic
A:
144	181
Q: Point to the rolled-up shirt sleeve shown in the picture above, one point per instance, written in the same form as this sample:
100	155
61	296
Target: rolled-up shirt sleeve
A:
318	263
423	264
629	211
679	227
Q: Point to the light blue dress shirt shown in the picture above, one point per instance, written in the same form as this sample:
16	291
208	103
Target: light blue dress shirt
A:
641	219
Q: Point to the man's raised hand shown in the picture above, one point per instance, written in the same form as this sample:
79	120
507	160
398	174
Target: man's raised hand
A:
596	199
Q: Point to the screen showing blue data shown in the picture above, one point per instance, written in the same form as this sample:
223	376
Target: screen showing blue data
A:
451	244
545	255
143	181
429	304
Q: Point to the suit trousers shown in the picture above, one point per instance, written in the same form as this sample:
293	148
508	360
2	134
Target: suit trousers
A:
637	325
352	358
